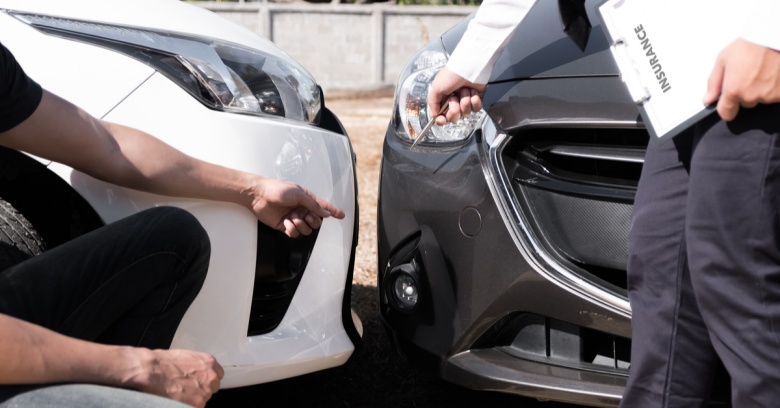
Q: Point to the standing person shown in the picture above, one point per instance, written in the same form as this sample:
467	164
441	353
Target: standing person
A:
704	247
97	314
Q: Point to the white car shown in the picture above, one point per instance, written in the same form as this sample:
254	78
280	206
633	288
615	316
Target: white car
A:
271	307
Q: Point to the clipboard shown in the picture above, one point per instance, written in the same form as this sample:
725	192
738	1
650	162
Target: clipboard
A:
665	51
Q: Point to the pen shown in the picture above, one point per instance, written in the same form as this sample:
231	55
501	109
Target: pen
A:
430	125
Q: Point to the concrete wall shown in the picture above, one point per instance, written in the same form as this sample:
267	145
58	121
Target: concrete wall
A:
345	46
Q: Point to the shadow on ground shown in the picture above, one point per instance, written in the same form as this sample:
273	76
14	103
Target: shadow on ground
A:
376	376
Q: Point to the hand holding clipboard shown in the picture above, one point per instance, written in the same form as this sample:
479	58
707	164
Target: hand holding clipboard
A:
666	51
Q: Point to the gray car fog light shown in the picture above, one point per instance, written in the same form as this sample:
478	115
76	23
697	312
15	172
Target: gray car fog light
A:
404	288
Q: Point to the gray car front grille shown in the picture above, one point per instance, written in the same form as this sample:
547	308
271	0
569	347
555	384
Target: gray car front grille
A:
575	187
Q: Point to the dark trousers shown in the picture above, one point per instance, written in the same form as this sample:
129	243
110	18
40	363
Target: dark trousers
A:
128	283
704	265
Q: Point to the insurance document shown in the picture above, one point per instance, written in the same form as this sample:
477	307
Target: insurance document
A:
666	49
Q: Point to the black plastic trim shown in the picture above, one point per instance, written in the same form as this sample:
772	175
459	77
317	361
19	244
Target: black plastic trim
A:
280	264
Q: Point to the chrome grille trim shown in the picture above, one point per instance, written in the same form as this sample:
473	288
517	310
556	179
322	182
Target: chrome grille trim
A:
600	153
523	236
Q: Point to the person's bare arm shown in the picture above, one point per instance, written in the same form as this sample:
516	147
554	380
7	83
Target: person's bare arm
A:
35	355
745	74
60	131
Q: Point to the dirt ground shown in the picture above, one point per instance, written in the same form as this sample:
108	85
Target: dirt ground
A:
365	117
375	376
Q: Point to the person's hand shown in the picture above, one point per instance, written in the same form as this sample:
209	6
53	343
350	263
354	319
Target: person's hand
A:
186	376
290	208
745	74
463	96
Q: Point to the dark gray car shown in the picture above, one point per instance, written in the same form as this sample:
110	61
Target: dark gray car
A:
502	239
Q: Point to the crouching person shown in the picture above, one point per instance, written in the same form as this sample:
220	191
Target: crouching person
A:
89	323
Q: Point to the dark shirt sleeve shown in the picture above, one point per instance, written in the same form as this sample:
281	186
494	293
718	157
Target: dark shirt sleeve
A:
19	94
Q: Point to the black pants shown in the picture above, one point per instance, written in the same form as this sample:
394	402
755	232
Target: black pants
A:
704	265
128	283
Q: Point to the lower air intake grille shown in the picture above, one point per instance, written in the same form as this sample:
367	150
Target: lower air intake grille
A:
538	338
279	267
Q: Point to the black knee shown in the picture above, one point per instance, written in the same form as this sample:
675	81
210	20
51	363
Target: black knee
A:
185	235
179	224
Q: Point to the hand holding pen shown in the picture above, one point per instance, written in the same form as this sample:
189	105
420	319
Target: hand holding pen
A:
462	97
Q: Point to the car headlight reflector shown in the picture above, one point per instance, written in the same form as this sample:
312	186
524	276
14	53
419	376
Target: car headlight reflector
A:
412	106
221	75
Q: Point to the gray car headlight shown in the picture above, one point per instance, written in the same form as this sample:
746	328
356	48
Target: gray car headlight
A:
221	75
412	106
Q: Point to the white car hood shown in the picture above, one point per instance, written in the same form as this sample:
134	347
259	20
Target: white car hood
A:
152	14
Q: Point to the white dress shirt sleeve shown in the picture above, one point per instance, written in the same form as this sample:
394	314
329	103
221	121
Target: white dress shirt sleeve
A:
762	27
486	36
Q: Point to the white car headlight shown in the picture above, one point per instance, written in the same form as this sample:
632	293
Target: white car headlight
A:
221	75
412	106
